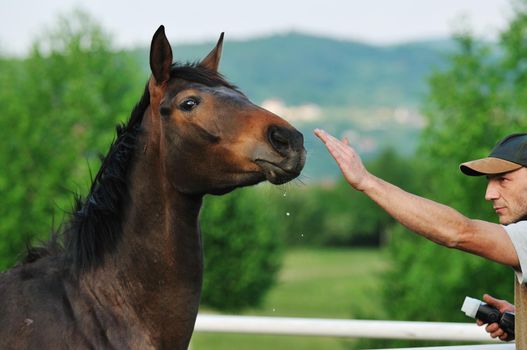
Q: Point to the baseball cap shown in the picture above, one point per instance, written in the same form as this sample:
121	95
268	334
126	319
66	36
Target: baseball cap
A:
508	155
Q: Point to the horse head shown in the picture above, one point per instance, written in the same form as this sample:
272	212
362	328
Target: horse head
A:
211	138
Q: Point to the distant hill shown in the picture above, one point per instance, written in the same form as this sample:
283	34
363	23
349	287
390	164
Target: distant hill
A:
301	68
360	89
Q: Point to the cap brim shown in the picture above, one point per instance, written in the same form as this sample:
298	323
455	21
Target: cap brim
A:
488	166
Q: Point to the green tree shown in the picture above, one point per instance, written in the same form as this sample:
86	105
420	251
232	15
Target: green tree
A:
58	107
242	249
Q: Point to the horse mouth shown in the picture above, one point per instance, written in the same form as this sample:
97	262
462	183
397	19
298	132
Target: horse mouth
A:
278	174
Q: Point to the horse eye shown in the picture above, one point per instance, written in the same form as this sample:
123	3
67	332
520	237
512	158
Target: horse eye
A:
189	104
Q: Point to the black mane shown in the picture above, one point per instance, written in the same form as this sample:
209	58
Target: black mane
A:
95	225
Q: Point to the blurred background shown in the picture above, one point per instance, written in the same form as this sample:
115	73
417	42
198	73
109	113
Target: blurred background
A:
417	86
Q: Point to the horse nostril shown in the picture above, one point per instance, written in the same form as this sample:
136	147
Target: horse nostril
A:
284	139
278	137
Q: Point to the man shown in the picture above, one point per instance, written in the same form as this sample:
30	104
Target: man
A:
505	243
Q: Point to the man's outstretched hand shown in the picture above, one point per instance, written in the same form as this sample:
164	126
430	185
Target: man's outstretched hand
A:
347	159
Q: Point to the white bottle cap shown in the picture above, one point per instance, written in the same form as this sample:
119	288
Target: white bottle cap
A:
470	306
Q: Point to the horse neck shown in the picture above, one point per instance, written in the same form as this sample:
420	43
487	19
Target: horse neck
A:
158	265
161	224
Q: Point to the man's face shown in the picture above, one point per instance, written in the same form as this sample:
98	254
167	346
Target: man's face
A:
508	193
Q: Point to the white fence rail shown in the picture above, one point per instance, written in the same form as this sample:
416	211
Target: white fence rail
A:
447	331
466	347
342	328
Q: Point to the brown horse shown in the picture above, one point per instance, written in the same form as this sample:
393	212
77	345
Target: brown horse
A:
127	272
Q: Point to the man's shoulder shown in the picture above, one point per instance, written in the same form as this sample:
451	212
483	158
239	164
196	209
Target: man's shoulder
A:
518	224
517	230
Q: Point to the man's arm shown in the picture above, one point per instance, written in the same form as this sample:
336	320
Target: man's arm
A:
437	222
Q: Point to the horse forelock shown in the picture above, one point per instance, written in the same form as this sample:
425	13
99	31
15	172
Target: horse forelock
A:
194	72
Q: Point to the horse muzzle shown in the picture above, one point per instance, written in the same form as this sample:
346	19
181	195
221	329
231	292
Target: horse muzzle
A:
288	155
278	174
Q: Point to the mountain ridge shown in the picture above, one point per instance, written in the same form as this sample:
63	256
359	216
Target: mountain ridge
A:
300	68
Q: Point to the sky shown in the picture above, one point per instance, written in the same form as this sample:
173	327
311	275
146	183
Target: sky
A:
132	23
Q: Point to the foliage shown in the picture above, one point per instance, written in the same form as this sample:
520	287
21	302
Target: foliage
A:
58	107
242	249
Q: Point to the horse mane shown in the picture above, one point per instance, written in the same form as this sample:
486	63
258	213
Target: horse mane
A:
95	226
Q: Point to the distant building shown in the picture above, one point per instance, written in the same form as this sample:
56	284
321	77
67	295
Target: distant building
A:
304	113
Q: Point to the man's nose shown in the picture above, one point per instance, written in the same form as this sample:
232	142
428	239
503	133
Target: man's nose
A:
492	192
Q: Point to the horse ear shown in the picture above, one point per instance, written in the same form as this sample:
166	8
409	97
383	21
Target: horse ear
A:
160	56
212	61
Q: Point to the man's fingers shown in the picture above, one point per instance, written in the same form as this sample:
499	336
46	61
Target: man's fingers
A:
493	327
501	305
321	135
325	136
340	150
334	145
337	147
498	333
489	299
343	156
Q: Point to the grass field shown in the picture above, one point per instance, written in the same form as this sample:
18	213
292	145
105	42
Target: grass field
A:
327	283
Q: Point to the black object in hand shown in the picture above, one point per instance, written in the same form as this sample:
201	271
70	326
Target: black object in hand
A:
488	314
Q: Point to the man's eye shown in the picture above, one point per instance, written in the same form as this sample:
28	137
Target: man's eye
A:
189	104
